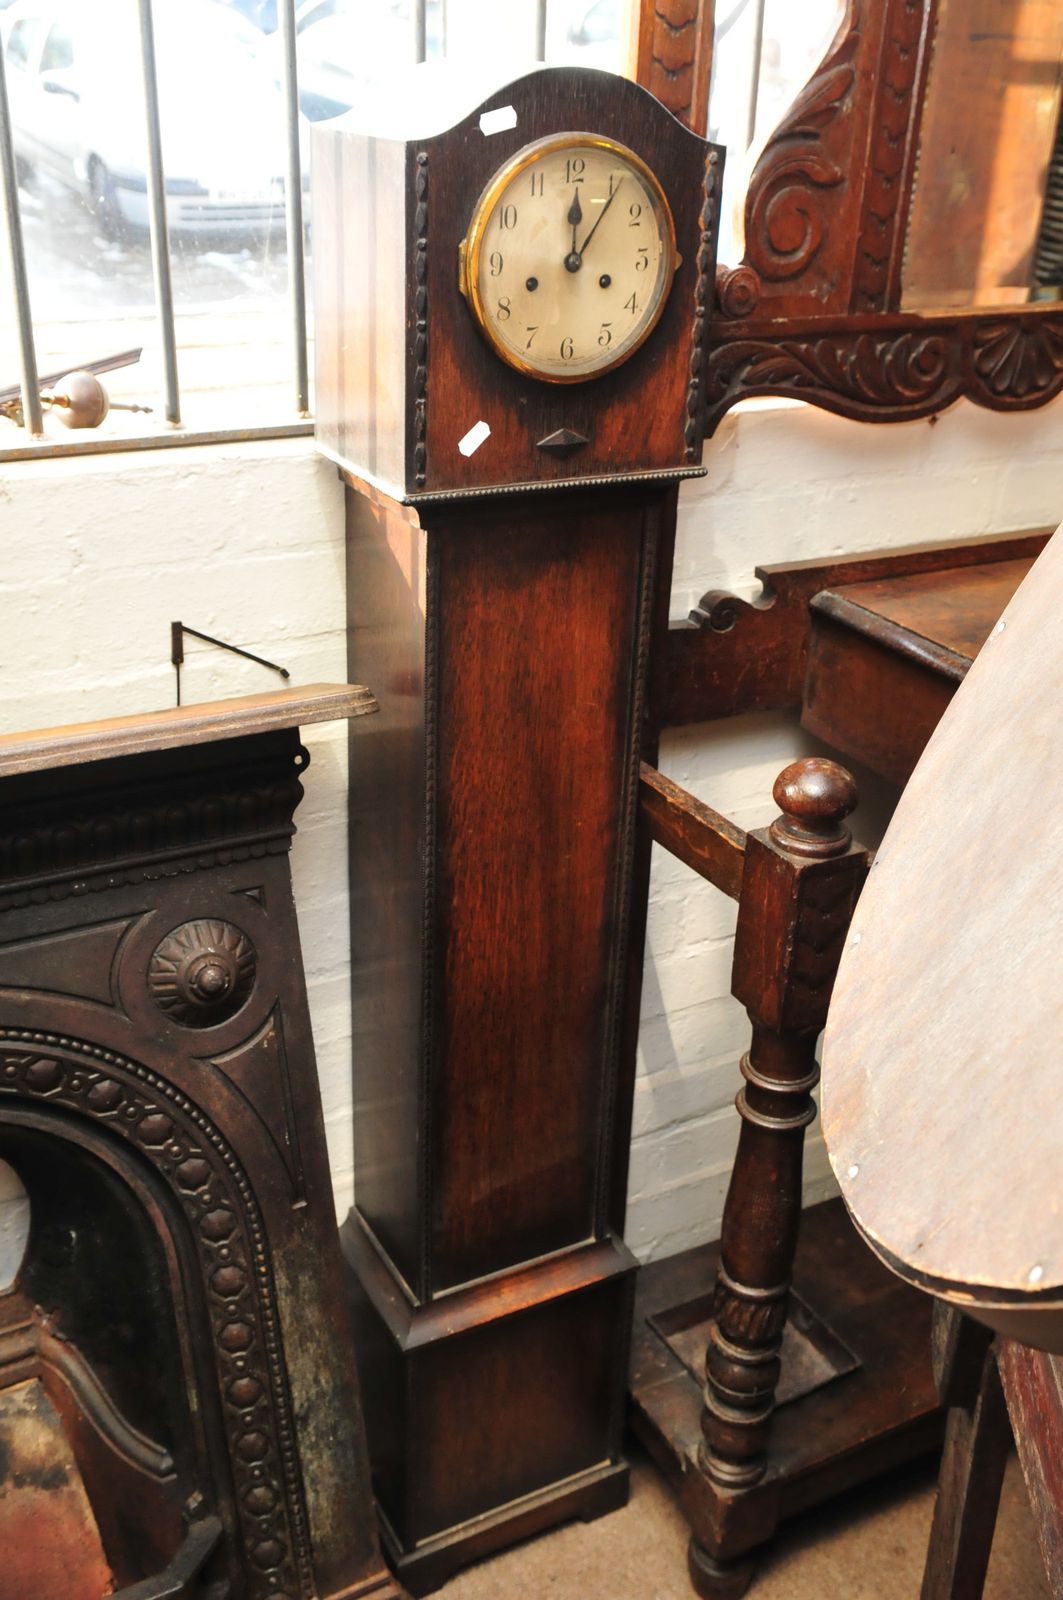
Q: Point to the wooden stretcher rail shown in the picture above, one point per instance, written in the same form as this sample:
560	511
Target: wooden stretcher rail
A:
694	832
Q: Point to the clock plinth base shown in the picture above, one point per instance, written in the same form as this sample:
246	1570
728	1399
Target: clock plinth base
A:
584	1498
497	1410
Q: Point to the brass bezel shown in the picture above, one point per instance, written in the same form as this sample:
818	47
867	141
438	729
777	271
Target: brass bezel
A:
471	247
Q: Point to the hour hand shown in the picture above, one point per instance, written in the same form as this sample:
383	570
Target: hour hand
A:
575	217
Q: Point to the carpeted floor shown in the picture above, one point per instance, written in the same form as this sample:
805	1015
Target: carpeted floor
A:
870	1546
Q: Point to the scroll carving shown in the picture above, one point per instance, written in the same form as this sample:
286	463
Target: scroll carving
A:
787	216
826	212
910	370
857	373
215	1195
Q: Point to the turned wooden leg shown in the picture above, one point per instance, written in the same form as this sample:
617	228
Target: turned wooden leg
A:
760	1224
718	1580
800	882
972	1463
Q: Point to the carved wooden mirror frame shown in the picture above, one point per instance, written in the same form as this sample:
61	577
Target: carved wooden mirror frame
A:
812	310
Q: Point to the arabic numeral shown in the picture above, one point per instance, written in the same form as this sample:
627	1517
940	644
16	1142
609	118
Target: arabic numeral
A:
632	305
531	332
504	309
643	259
575	167
495	263
507	217
605	337
634	211
614	183
567	348
536	184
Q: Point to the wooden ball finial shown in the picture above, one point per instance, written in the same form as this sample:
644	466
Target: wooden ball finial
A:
815	796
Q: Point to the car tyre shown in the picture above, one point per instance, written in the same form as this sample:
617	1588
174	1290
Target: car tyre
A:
103	202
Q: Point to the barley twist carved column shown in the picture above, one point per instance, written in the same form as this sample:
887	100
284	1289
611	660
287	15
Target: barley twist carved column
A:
799	887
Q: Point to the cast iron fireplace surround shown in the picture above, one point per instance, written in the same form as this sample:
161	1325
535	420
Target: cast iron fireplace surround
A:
179	1408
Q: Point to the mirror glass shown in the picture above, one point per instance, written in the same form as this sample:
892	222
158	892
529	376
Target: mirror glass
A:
985	226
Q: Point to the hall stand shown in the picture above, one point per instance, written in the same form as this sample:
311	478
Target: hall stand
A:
836	1355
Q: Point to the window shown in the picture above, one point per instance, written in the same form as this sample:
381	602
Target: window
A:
766	51
75	87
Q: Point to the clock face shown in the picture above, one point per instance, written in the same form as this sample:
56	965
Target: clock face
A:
569	257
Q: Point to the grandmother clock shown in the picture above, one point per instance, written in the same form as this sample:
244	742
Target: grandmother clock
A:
511	322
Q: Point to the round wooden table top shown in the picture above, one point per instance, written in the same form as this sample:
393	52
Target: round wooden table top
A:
942	1095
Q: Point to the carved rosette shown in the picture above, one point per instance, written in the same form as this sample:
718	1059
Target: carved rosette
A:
202	972
214	1194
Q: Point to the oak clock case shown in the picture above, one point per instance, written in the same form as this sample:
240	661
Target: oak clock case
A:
503	604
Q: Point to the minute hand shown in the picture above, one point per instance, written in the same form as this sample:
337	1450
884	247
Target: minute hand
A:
600	216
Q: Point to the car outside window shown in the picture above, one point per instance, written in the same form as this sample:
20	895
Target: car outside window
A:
58	52
21	44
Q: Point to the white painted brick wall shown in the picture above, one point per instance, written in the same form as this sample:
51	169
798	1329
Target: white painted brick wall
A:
246	541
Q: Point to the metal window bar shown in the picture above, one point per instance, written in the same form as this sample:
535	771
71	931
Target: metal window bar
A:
160	233
757	56
293	210
31	394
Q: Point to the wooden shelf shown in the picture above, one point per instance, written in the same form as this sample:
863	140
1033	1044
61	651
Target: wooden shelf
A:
47	748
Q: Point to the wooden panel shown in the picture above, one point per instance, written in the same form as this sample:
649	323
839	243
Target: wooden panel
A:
869	702
954	609
550	1374
500	1391
539	611
386	799
1033	1389
738	655
886	657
